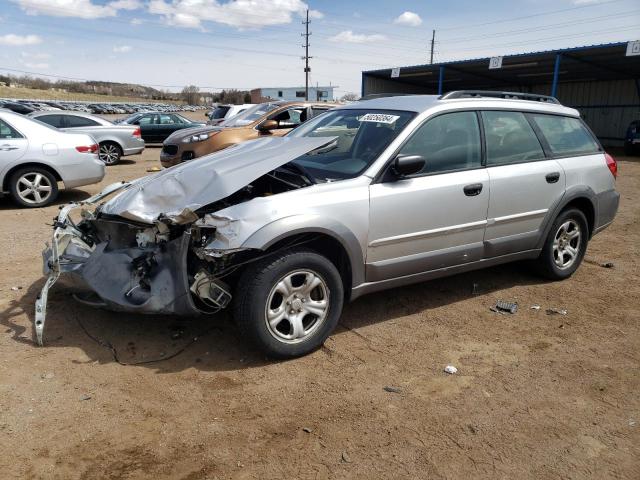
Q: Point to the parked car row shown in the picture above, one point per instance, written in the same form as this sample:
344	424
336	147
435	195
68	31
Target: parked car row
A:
29	106
224	112
377	194
261	120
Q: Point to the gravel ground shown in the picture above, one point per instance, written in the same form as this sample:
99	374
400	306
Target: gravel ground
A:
535	396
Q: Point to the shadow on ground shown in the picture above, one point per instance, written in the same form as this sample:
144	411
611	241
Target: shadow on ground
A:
170	343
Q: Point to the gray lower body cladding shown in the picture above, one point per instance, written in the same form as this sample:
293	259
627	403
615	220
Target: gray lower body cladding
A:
141	280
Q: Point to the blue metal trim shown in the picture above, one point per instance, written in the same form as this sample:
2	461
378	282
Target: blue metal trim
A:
362	85
441	80
561	50
556	73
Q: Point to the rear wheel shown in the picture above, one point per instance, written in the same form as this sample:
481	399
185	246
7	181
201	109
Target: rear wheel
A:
289	303
565	246
110	153
33	187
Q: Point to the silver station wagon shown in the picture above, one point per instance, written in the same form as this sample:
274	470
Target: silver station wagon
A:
369	196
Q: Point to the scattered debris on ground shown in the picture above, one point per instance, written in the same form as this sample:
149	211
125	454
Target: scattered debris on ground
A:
306	429
450	369
556	311
535	307
346	458
392	389
505	307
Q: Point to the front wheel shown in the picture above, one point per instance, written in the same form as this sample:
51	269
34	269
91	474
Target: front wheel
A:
565	246
289	303
110	153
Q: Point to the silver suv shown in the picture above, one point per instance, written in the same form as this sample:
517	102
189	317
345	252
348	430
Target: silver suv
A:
369	196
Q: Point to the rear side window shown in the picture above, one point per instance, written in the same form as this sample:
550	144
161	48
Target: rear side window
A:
565	135
73	121
510	138
448	142
53	120
7	132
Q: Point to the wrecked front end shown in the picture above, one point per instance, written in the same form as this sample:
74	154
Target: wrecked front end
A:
158	245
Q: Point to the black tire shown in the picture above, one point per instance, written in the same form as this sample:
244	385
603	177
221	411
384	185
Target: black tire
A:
255	287
110	153
547	264
31	200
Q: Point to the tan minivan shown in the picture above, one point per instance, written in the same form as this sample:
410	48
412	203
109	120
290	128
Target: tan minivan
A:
264	119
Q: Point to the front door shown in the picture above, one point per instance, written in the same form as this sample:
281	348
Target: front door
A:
435	218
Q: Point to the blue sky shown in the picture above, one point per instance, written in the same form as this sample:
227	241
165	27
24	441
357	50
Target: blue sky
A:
251	43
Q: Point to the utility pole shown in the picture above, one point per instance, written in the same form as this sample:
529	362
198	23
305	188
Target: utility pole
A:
306	56
433	42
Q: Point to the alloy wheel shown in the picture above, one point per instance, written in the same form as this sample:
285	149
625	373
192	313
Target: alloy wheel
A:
109	153
296	306
34	188
566	244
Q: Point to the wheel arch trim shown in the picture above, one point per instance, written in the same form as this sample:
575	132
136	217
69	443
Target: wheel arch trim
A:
280	229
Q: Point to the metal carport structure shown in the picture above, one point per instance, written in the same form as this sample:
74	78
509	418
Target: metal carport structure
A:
602	81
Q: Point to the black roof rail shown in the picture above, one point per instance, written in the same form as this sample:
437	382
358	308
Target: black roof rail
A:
492	94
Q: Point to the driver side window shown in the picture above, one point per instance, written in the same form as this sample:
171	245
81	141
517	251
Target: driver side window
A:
448	142
291	118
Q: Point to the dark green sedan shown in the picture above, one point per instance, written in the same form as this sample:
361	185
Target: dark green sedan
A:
155	127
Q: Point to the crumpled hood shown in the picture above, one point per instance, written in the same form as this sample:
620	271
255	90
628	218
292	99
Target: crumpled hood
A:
178	135
194	184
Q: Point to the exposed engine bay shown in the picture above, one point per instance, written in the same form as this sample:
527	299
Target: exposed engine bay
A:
182	264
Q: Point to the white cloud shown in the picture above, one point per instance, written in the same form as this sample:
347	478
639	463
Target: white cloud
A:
36	66
409	19
35	56
136	21
122	48
243	14
349	37
19	40
77	8
126	4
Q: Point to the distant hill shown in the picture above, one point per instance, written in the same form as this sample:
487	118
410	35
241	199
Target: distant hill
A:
61	89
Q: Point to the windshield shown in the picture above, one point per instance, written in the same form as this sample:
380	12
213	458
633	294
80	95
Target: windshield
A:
250	115
360	137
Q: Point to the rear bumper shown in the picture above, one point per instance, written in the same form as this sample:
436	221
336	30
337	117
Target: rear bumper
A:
133	147
608	203
87	172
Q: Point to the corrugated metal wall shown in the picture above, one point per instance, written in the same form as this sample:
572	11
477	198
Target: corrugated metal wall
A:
607	106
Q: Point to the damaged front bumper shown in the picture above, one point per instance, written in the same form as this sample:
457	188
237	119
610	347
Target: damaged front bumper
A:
128	267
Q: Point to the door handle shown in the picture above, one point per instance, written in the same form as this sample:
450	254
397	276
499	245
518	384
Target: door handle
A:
553	177
473	189
7	147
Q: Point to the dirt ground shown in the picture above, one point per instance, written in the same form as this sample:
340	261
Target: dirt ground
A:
536	395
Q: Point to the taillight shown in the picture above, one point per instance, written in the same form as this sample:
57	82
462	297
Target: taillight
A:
612	164
137	133
87	148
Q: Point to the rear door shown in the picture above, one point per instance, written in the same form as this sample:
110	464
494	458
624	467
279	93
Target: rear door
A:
436	218
525	184
13	145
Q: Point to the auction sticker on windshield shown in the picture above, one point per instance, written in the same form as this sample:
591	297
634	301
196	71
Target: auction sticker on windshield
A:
379	118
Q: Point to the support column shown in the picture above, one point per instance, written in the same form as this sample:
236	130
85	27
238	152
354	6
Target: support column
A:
441	80
556	73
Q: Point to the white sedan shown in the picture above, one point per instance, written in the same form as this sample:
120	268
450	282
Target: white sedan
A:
34	157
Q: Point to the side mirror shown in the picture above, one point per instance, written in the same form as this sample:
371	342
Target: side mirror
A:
268	125
404	165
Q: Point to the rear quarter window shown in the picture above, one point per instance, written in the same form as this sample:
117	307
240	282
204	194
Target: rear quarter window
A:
566	135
